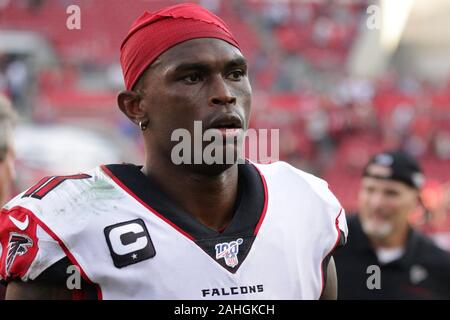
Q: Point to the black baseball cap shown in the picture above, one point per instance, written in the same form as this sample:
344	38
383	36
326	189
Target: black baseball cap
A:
395	165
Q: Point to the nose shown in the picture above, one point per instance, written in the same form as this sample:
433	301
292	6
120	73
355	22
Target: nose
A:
376	201
221	94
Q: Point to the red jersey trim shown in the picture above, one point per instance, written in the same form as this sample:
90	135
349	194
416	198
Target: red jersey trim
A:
332	249
142	202
173	225
65	249
266	200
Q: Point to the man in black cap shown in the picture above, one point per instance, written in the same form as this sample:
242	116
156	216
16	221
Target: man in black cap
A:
385	257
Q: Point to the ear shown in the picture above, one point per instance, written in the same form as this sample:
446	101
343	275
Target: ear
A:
130	104
418	198
415	199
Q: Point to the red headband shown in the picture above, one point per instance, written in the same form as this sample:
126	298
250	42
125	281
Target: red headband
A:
154	33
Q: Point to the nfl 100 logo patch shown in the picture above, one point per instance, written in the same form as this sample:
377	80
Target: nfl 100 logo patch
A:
229	252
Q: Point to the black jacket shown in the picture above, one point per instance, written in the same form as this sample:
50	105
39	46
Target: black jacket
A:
423	272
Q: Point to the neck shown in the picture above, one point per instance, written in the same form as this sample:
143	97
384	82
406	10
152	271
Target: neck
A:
208	198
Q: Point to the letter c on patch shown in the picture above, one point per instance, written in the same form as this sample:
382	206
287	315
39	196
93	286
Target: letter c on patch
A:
115	236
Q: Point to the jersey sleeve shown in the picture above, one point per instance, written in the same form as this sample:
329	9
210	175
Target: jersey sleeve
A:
335	214
342	229
336	217
26	249
335	223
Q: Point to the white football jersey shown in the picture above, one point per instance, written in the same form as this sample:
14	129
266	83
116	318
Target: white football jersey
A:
132	242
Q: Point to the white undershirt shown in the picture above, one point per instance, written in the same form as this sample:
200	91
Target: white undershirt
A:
386	255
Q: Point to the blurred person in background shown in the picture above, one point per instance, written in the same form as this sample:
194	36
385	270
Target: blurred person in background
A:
386	258
7	173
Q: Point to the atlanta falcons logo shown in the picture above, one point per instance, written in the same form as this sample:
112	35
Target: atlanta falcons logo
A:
17	246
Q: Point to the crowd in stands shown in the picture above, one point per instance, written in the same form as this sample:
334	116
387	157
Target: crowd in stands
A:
330	122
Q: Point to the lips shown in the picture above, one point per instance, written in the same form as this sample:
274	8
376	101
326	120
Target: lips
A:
226	121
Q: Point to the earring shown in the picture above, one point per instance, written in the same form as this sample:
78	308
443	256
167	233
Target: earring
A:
143	125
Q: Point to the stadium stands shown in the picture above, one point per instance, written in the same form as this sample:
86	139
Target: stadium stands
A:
297	51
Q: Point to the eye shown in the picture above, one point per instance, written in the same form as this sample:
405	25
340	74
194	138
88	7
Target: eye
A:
236	74
369	189
392	193
192	78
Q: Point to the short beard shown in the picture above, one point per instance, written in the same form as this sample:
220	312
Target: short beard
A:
378	231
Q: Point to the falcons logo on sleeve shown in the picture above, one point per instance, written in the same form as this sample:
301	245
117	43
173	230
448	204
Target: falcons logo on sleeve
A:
17	246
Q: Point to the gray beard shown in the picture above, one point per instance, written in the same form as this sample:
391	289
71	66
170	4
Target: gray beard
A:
379	231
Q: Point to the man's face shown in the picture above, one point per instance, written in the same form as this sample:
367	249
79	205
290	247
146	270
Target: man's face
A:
384	206
7	174
198	80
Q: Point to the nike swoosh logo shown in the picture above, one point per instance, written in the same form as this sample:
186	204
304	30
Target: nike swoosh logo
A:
22	225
